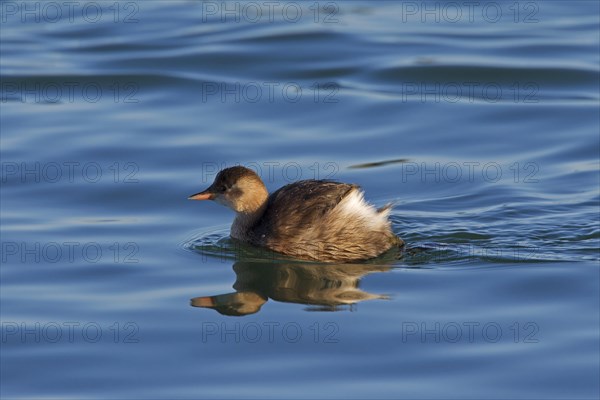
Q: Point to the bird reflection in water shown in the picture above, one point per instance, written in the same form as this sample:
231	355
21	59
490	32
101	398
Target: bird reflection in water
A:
321	287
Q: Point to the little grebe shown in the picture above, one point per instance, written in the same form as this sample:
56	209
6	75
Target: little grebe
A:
312	219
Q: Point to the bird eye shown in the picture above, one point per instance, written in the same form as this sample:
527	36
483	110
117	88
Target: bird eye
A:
222	189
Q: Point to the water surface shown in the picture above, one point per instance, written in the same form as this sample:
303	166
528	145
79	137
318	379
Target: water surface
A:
482	130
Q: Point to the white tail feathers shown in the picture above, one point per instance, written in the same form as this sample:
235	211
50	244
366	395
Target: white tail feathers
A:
354	206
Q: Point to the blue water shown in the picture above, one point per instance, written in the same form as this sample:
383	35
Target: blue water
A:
478	122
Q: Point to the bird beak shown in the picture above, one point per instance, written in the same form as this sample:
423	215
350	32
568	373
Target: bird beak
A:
203	302
205	195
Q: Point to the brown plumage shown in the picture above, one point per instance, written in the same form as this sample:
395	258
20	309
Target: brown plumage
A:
311	219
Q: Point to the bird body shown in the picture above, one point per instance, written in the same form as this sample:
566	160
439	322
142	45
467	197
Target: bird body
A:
319	220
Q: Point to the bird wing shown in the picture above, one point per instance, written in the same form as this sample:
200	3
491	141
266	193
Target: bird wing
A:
300	204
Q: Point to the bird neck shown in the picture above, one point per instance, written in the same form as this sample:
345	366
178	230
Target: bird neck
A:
245	220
